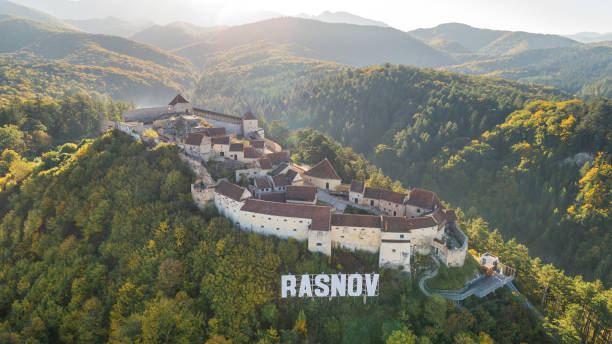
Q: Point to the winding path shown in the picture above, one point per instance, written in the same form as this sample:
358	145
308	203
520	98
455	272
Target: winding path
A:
427	276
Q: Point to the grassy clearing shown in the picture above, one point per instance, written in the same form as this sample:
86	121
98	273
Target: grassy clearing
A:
454	278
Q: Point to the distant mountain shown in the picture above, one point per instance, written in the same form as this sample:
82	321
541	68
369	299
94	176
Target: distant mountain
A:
50	53
582	70
344	18
10	8
516	42
452	47
470	37
491	42
342	43
175	35
243	77
590	37
109	26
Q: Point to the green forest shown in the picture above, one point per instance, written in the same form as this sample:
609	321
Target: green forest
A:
492	147
106	245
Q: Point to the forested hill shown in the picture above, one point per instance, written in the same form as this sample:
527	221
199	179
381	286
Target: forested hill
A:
585	71
105	244
11	8
45	60
425	128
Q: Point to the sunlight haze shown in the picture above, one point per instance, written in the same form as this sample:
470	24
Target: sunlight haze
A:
543	16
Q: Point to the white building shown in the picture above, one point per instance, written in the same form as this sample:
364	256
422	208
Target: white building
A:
323	175
229	198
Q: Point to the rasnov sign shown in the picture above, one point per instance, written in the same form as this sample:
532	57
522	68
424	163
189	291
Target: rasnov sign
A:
329	285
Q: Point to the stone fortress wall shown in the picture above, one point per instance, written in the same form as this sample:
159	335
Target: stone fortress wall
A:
415	222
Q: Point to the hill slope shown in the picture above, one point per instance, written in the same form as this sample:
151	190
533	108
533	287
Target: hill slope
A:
13	9
127	66
491	42
342	43
412	123
585	71
251	75
343	17
109	26
174	35
106	244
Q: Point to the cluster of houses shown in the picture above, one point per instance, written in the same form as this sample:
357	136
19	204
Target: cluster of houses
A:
412	222
281	198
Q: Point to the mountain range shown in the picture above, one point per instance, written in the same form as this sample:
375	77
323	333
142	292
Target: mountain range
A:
342	18
295	45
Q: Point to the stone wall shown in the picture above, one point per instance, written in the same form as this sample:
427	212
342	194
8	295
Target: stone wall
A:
395	254
280	226
356	238
319	241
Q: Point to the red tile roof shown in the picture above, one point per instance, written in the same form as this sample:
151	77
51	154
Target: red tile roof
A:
357	186
249	115
178	99
401	224
301	193
372	193
392	196
420	222
220	140
194	139
394	224
320	216
214	132
278	158
230	190
251	153
280	180
386	195
422	198
278	197
323	170
451	216
265	163
262	183
259	144
353	220
236	147
290	175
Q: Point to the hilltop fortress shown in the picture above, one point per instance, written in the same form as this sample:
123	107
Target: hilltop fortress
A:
300	202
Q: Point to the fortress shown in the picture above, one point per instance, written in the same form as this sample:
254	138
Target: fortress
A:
283	199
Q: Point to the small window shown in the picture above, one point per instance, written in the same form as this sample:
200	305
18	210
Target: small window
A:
372	203
393	250
319	244
262	226
300	221
295	230
253	216
418	210
342	236
269	218
278	229
285	220
401	236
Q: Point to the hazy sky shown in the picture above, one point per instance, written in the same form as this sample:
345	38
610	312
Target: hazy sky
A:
544	16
